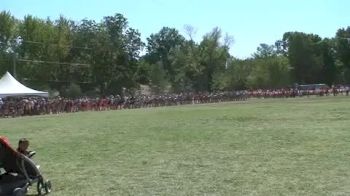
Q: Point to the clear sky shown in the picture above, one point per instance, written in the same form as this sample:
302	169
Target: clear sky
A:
250	22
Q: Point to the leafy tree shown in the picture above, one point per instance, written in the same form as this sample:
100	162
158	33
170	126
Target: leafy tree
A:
303	57
142	74
213	57
269	72
329	69
159	46
342	48
8	26
115	56
264	51
238	72
38	38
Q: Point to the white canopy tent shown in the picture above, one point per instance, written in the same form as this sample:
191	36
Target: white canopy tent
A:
9	86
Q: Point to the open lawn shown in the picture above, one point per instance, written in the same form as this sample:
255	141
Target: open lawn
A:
259	147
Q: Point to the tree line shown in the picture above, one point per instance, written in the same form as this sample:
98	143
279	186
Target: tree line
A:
107	57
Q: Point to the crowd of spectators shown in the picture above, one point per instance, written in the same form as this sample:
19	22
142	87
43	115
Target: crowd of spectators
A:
23	106
294	92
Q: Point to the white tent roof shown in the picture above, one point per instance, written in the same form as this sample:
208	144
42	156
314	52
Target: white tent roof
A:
9	86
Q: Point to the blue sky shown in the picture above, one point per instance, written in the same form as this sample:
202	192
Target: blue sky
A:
250	22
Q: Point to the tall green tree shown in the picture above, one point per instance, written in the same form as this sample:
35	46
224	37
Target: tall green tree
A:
36	49
185	61
159	46
327	53
265	50
270	72
8	25
213	57
238	73
116	54
84	45
303	57
342	47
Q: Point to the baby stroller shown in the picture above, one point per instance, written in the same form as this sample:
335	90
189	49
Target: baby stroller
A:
19	172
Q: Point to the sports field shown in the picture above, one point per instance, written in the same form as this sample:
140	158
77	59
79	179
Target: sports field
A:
259	147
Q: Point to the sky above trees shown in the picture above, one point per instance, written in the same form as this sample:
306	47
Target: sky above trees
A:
250	22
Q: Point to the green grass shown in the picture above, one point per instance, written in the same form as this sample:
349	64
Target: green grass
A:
259	147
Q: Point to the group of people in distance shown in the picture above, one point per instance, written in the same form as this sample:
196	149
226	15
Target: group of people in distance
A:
24	106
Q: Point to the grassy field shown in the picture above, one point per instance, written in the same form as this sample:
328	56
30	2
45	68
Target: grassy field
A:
259	147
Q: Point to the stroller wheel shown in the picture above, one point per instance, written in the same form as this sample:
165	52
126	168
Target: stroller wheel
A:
40	187
19	192
47	186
